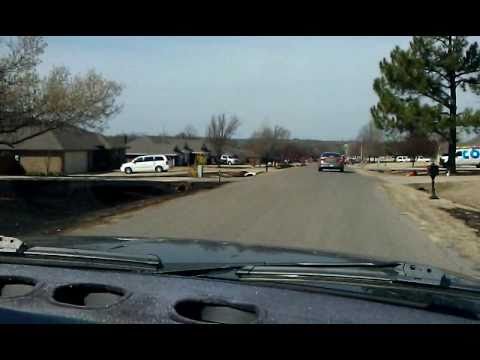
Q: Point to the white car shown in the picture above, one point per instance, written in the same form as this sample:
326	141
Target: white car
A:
148	163
423	159
464	157
403	159
229	159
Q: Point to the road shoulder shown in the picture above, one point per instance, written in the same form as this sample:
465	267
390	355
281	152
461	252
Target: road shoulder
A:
434	218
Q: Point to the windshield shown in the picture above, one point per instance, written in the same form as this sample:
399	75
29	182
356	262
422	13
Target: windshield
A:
230	146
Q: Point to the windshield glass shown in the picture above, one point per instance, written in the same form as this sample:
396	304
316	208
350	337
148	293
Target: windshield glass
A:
232	146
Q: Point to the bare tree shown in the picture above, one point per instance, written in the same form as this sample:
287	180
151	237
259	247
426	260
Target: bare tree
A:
220	132
293	151
371	141
266	140
190	132
31	105
413	145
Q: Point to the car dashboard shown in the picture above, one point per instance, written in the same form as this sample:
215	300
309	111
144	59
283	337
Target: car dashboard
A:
41	294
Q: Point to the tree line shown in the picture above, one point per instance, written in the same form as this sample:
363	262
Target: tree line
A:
372	143
268	143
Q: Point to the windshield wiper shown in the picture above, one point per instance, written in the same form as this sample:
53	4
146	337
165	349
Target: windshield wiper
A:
302	272
277	268
396	273
15	251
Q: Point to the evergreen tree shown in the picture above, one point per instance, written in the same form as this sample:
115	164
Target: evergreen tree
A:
418	89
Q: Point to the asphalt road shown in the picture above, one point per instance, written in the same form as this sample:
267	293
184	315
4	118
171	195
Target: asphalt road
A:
297	208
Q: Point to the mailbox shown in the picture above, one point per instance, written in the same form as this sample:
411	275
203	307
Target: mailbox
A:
433	170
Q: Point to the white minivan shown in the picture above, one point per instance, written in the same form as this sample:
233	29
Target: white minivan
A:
468	156
148	163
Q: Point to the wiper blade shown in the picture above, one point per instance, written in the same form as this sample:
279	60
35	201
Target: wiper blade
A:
300	273
277	268
401	273
64	253
16	251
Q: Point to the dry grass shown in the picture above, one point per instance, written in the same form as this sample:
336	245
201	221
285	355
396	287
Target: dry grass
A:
435	219
464	193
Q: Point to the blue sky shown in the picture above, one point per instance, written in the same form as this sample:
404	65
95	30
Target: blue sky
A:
318	87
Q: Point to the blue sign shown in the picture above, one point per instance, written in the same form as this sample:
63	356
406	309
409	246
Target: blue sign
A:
473	153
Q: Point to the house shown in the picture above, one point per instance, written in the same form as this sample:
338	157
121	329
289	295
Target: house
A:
179	151
66	150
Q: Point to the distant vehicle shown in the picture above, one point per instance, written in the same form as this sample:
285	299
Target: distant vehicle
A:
149	163
467	156
229	159
423	159
331	160
403	159
354	160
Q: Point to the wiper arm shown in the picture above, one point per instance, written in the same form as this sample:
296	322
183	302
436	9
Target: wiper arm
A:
16	251
10	244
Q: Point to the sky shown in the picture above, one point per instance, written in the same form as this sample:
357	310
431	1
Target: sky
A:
317	87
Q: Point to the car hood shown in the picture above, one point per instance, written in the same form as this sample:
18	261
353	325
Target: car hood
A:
179	252
191	251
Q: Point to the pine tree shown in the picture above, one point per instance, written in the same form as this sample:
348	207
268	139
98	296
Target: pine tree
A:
418	89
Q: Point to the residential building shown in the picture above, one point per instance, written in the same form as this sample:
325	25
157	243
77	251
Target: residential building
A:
179	151
67	150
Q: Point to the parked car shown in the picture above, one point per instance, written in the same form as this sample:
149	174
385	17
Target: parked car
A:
464	157
354	160
331	160
403	159
423	159
149	163
229	159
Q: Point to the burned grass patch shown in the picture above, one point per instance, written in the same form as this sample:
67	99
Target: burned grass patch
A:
47	207
469	217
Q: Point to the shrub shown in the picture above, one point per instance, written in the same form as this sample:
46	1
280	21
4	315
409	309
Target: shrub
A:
10	166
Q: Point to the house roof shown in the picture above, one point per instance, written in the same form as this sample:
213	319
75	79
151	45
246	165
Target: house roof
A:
63	139
164	145
117	141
